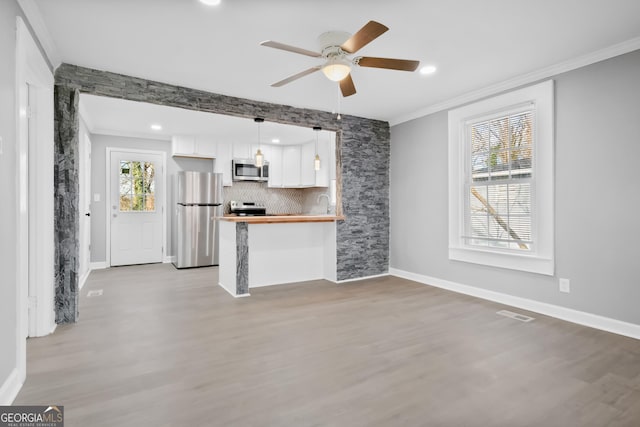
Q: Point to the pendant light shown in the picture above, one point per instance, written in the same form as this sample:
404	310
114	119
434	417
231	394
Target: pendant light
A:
316	162
259	157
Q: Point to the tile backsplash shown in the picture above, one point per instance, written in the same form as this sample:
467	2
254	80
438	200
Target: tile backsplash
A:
277	200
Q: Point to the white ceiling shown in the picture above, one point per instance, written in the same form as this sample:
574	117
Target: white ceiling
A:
475	44
129	118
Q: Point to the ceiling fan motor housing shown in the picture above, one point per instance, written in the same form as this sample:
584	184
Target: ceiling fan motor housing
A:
331	41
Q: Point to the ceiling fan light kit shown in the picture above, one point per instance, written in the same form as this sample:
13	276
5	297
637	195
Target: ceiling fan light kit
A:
336	69
336	46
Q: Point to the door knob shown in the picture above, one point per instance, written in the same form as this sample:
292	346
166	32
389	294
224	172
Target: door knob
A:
115	215
88	214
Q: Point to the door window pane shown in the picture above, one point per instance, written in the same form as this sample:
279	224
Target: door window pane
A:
137	186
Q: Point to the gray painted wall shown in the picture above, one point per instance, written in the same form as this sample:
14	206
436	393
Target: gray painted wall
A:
8	12
596	205
99	144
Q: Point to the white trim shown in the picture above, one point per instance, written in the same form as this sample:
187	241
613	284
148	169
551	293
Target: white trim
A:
10	388
32	12
570	315
100	265
357	279
163	154
34	263
84	278
232	294
169	259
524	79
540	260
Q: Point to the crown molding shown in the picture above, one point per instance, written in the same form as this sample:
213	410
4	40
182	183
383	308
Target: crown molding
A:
34	17
524	79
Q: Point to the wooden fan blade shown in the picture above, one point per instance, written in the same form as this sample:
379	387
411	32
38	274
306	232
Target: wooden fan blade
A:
296	76
389	63
347	87
371	31
288	48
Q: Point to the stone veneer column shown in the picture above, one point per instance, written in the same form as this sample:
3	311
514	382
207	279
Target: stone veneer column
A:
363	172
66	191
242	258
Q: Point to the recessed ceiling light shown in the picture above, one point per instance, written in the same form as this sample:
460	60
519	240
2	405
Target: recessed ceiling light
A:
275	140
210	2
428	69
156	127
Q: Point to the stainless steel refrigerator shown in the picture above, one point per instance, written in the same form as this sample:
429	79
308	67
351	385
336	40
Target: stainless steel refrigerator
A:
198	199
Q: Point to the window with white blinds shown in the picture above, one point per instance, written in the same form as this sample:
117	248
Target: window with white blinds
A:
501	181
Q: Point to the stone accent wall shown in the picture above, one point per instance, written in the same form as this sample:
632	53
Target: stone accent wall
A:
66	192
363	237
363	147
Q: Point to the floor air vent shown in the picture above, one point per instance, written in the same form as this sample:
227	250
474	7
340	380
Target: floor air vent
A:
96	293
511	314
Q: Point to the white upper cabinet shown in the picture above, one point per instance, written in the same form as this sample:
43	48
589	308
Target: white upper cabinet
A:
307	171
193	146
275	166
242	151
326	162
291	166
223	163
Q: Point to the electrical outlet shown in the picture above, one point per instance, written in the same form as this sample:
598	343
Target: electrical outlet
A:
564	285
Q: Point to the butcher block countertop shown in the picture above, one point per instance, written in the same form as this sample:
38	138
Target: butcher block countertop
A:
274	219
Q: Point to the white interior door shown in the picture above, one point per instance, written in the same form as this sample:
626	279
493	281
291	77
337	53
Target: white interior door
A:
136	207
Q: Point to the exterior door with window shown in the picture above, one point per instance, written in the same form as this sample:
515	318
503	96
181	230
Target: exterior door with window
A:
136	208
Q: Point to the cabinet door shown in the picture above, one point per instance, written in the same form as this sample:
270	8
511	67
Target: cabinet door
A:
242	150
307	170
275	166
206	147
183	146
223	163
291	166
322	176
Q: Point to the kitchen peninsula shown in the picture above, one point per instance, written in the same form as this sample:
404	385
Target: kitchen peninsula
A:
276	249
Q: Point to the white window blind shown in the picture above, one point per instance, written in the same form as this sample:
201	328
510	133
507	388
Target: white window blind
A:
499	179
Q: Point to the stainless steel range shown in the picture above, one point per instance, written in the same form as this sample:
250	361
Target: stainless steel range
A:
247	208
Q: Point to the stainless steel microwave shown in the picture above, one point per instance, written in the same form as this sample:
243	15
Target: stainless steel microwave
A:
246	170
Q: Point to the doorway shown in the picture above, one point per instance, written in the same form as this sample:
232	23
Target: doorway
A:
136	220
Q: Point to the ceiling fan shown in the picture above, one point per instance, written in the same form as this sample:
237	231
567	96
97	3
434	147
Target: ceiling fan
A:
335	48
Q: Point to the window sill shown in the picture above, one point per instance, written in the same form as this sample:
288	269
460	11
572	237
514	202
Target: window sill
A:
520	262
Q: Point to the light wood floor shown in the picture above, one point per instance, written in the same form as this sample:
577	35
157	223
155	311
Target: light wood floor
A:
164	347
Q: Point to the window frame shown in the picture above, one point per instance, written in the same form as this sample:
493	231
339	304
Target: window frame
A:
541	258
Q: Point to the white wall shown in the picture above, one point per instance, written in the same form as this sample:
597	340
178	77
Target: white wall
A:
9	9
8	12
597	197
99	144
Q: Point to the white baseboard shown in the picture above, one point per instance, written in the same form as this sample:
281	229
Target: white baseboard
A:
580	317
98	265
361	278
169	259
232	294
10	388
